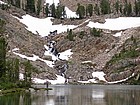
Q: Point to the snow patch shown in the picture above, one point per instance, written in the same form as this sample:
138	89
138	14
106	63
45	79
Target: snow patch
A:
120	23
87	62
43	26
63	55
1	2
114	82
34	58
15	49
21	76
66	54
59	80
38	81
70	14
118	34
98	74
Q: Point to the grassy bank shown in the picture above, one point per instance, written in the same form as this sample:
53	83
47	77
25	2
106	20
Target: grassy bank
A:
14	90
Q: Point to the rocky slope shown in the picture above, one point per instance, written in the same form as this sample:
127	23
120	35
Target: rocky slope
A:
127	61
18	36
117	57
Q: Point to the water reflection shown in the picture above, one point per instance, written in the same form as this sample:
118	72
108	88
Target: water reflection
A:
77	95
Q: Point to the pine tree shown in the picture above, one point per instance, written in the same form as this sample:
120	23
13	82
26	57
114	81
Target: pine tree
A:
2	56
90	9
86	10
137	8
27	74
125	8
16	69
38	7
129	9
95	32
60	11
96	9
2	24
121	11
80	11
117	6
70	35
47	10
17	3
105	7
30	6
53	10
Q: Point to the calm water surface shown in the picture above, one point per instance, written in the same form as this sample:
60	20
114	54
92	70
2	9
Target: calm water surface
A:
77	95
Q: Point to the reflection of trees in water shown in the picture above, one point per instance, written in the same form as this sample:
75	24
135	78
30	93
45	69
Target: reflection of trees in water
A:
16	99
61	100
9	99
77	96
122	97
26	98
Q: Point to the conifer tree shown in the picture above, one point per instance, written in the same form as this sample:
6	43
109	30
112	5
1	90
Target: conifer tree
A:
137	7
47	10
38	7
27	74
129	9
125	8
70	35
105	7
30	6
17	3
53	10
80	11
120	8
16	69
60	11
96	9
2	56
90	9
117	6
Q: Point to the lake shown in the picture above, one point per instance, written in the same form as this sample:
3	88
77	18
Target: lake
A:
77	95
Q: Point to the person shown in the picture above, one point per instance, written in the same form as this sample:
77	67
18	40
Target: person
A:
47	84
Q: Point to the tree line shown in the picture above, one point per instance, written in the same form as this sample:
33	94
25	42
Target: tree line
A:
105	7
101	8
10	67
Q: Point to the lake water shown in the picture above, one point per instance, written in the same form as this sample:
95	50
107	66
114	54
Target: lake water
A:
77	95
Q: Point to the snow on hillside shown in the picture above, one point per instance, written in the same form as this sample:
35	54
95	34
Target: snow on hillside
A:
59	80
98	74
120	23
70	14
118	34
1	2
34	58
43	26
63	55
119	81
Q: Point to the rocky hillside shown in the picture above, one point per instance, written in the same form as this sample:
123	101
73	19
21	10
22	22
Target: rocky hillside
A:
127	61
28	43
93	49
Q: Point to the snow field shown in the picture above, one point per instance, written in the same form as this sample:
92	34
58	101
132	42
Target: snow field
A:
120	23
